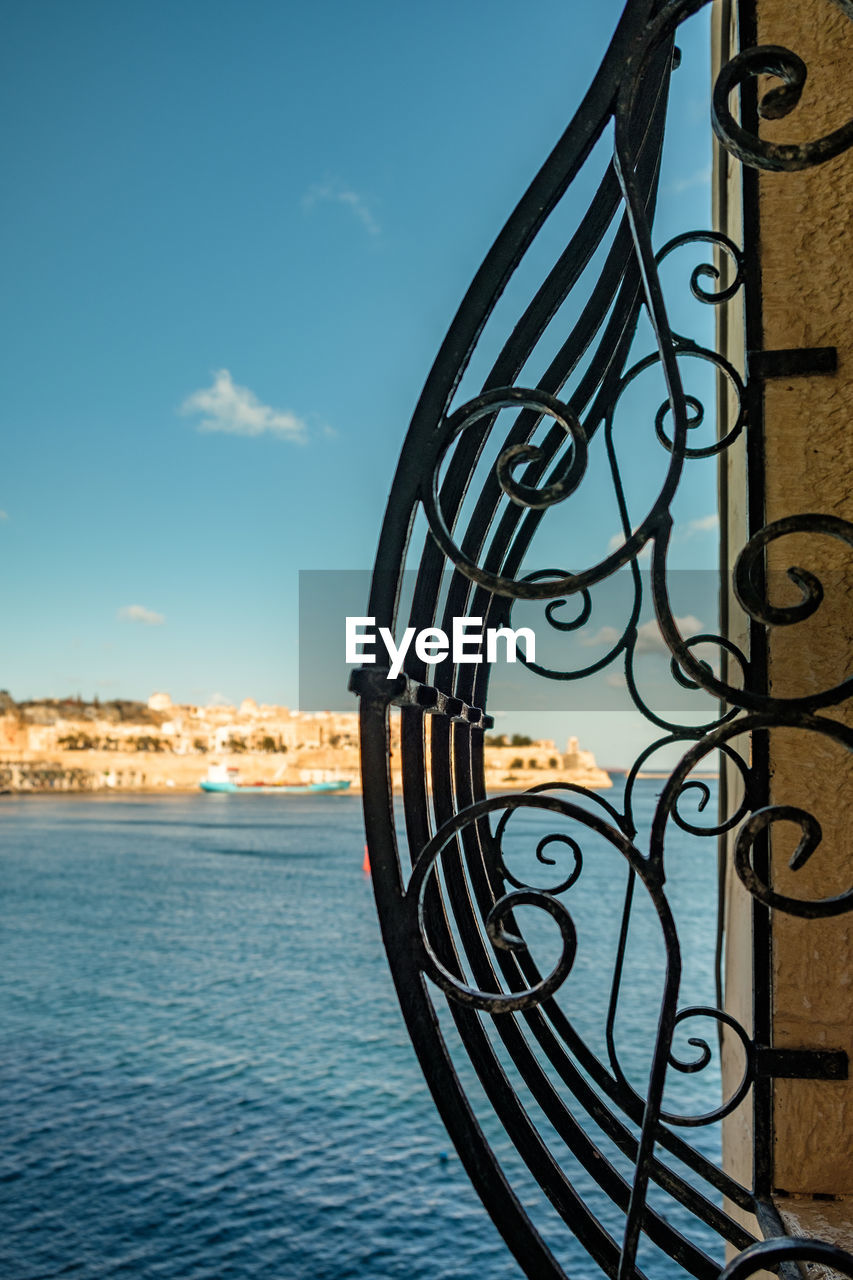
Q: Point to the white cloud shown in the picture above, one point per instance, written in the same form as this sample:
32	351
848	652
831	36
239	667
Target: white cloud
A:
604	635
616	680
618	540
649	638
699	178
138	613
337	193
702	524
238	411
4	515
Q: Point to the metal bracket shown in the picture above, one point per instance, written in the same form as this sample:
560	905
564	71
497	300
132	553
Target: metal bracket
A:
792	362
801	1064
403	691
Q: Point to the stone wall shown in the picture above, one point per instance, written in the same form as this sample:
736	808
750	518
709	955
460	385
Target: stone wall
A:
805	249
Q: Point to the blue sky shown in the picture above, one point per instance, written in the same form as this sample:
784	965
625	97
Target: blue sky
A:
234	235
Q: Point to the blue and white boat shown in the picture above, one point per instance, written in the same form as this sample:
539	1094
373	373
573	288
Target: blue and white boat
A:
224	778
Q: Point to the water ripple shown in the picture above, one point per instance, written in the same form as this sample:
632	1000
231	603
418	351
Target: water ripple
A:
205	1075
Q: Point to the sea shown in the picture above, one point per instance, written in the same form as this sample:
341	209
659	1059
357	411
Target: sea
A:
204	1071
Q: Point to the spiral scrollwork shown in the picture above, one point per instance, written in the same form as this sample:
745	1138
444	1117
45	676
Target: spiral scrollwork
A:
583	613
708	270
496	920
769	60
573	624
500	912
696	410
707	638
499	1002
704	1059
763	819
719	739
787	66
541	856
567	625
766	1255
750	589
565	479
699	786
748	568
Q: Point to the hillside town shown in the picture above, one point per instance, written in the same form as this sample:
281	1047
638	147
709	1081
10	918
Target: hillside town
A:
69	744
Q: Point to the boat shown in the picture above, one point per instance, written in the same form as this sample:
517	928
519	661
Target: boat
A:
223	778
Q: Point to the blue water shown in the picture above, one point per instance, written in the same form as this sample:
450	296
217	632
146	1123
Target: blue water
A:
204	1070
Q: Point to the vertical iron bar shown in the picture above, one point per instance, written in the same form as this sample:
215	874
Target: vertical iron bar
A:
761	920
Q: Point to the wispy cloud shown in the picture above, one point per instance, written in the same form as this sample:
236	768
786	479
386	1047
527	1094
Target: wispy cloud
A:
138	613
236	410
4	515
699	178
603	636
338	193
649	638
702	524
618	540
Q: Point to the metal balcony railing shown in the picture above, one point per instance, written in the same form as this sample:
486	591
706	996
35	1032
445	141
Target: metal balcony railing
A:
556	1131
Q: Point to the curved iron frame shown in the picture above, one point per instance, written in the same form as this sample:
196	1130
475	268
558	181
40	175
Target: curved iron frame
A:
448	923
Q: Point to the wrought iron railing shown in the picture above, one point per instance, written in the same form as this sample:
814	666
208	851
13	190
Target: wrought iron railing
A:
528	1098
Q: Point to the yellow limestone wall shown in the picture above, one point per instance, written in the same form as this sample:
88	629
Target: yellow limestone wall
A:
807	273
806	257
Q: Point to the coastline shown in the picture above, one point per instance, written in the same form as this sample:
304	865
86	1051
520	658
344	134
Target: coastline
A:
143	773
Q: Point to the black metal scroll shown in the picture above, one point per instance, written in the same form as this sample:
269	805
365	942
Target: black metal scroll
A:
616	1164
